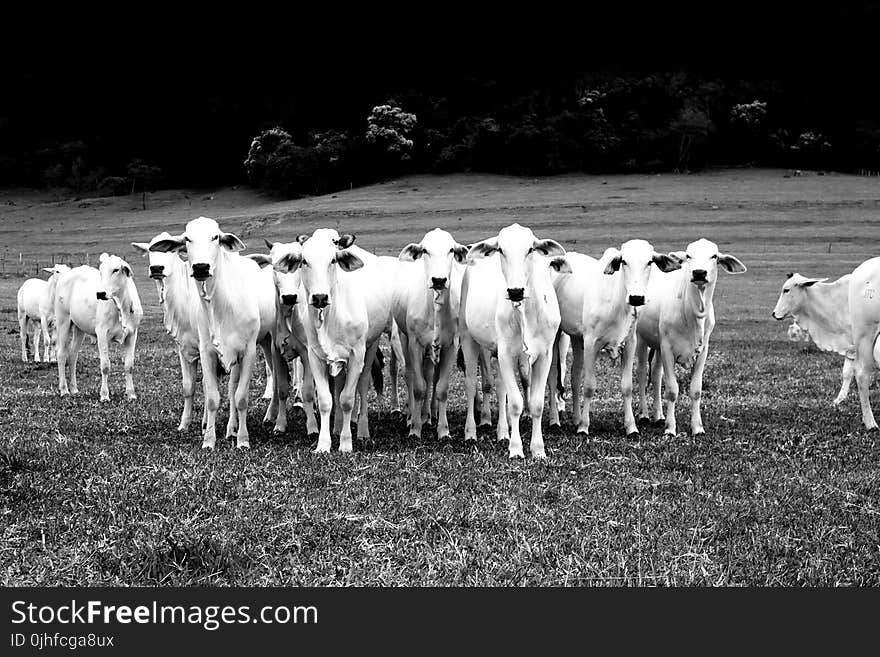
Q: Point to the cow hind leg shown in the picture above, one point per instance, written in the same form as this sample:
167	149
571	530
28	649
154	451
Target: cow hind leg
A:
470	351
128	365
35	342
657	388
507	373
187	376
231	387
242	394
363	422
447	356
347	394
641	354
539	372
23	332
864	367
846	377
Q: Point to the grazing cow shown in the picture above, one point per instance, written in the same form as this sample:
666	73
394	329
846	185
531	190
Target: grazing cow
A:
598	302
676	322
864	309
509	306
231	318
347	313
821	312
36	305
423	314
103	302
179	299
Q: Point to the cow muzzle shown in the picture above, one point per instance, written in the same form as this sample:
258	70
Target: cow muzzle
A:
636	300
773	315
320	301
102	296
288	299
438	283
699	277
157	272
201	271
516	294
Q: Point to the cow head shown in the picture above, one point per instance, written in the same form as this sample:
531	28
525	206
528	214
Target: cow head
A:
701	260
437	250
634	261
795	292
56	270
516	247
159	261
115	273
318	261
287	274
202	240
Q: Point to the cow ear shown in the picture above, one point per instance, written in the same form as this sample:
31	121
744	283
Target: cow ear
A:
126	269
169	244
269	244
302	238
51	270
260	258
614	261
459	252
103	257
731	264
665	263
681	256
231	242
348	261
811	282
560	264
548	248
789	275
287	263
482	249
141	247
411	252
345	241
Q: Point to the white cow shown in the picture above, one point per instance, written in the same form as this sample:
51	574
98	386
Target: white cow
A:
291	342
347	313
821	312
509	306
598	302
424	316
233	293
36	305
676	322
103	302
864	309
179	299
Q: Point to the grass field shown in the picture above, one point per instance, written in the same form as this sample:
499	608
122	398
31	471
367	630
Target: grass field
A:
783	489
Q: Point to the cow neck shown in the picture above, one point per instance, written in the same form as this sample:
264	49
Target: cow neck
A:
526	313
829	326
441	313
177	299
215	299
619	305
327	319
128	305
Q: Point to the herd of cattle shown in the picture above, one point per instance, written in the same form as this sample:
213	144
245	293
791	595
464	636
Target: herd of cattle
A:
318	307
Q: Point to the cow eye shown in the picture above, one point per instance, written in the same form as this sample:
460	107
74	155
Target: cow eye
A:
186	238
500	252
715	257
623	263
688	256
532	250
785	291
116	271
215	238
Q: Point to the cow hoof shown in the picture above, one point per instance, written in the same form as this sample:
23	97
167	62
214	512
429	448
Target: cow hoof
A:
540	454
413	436
243	446
322	450
396	413
208	446
633	435
444	436
105	399
484	425
643	421
583	435
668	434
278	432
873	429
554	427
132	398
699	434
516	455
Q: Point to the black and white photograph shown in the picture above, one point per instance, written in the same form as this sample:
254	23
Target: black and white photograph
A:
288	321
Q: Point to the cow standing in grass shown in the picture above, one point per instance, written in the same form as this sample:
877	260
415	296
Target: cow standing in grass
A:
36	301
864	308
676	322
230	319
179	299
821	311
509	306
103	302
423	313
599	301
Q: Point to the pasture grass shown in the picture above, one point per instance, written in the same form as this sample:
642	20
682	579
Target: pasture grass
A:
782	490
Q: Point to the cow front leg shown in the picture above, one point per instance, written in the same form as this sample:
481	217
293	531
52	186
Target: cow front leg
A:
104	356
508	368
187	375
577	377
447	356
128	365
325	400
210	386
36	341
470	350
626	387
864	376
641	352
281	394
62	353
231	387
589	383
415	355
554	382
485	358
671	383
537	384
657	387
242	393
696	391
308	395
75	345
22	332
346	397
47	340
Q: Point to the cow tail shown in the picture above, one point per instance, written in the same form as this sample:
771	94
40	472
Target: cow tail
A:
376	372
